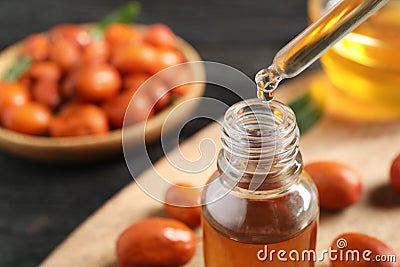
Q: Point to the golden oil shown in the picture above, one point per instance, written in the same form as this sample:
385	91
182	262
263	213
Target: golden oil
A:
363	69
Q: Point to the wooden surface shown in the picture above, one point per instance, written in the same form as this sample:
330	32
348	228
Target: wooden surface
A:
42	203
367	147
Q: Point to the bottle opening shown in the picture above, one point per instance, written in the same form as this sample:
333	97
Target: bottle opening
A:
259	141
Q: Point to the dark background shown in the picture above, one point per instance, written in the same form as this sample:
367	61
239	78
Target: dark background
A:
40	204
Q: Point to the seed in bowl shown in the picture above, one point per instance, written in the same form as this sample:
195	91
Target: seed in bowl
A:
79	120
98	82
46	92
13	94
36	46
71	65
119	34
160	35
140	109
31	118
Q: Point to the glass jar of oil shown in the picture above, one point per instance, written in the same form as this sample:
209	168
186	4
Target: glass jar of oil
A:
260	201
363	69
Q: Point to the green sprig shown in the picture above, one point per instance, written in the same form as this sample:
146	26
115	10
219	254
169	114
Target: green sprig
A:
18	69
307	111
125	14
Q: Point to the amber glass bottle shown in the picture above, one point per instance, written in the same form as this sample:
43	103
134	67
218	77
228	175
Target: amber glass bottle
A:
260	201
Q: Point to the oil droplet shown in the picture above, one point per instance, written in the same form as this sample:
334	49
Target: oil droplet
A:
267	81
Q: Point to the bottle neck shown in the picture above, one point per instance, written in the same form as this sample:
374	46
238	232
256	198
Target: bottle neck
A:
260	146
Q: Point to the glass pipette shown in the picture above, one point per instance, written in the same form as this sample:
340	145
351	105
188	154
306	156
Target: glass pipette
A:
309	45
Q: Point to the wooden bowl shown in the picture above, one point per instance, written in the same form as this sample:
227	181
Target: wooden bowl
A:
100	147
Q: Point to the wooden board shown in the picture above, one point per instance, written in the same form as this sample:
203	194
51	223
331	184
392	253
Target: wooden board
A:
369	148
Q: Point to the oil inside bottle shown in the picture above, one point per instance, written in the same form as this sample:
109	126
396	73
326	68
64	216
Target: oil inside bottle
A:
240	231
244	254
267	81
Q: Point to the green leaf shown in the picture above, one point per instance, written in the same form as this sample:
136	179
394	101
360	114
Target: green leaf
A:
307	111
20	66
125	14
